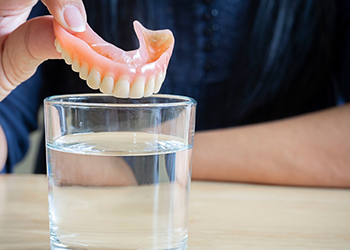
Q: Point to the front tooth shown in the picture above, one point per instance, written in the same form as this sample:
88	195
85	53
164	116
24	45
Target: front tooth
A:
75	65
149	87
138	88
159	82
58	46
94	79
66	57
107	85
122	88
84	72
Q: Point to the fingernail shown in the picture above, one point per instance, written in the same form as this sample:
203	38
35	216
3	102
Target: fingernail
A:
74	18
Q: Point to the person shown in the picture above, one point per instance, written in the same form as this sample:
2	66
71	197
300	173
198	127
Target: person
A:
271	79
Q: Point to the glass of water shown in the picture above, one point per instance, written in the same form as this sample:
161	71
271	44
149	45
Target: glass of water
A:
119	171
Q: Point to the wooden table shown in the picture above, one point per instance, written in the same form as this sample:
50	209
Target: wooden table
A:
222	216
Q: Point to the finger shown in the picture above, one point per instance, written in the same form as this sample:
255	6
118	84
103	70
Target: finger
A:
70	14
12	16
24	50
15	7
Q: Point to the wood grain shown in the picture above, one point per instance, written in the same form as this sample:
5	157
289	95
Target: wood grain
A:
222	216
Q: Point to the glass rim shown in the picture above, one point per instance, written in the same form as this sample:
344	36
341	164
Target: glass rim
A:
184	101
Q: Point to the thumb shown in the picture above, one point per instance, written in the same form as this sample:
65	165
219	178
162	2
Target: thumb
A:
70	14
24	50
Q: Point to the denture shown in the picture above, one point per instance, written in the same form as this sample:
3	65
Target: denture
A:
124	74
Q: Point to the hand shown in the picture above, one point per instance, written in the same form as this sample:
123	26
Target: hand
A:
26	44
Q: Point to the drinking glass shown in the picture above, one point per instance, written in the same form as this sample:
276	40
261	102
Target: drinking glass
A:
119	171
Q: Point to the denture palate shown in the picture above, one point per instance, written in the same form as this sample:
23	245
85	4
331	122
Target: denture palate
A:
125	74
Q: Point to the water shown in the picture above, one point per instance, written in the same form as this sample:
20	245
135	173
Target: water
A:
118	190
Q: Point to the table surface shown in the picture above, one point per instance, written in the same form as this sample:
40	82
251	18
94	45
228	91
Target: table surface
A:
222	216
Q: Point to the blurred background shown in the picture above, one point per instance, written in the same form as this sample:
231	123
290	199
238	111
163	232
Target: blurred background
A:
27	165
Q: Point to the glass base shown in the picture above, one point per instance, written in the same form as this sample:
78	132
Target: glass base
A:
56	245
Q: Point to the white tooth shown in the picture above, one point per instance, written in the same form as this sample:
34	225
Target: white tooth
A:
122	88
107	85
164	75
55	42
75	65
138	88
159	81
84	72
149	87
66	57
94	79
58	46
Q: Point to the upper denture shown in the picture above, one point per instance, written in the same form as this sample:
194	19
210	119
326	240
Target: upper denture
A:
98	61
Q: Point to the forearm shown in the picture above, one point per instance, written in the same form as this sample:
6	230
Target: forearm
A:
309	150
3	149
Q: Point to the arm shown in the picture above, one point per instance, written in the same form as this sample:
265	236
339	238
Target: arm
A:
308	150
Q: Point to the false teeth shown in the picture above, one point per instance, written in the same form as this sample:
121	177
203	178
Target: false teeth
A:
66	57
58	46
149	88
137	72
94	79
107	85
158	84
121	88
84	72
138	88
76	65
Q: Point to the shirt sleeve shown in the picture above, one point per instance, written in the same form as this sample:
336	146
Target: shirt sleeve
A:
344	51
18	117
